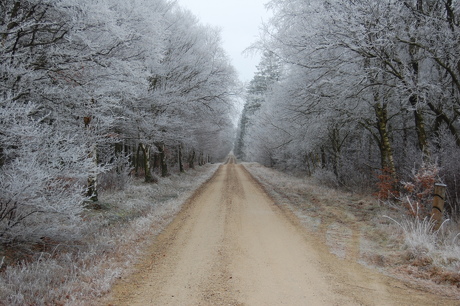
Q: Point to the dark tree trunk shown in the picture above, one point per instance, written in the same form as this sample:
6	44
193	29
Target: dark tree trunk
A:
420	128
323	158
179	157
386	152
156	161
137	160
191	160
414	98
92	177
147	165
163	164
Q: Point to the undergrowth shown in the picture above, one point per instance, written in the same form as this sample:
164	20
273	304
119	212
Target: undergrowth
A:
422	243
112	238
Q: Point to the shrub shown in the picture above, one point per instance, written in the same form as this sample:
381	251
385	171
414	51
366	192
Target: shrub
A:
42	177
118	177
387	185
426	247
418	194
326	177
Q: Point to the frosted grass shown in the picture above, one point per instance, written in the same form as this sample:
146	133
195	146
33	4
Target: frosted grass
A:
113	241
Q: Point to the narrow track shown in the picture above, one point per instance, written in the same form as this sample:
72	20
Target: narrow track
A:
231	245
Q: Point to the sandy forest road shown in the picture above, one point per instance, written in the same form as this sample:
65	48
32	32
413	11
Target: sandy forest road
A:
231	245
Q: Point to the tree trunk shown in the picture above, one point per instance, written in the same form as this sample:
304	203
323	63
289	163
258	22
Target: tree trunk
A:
420	128
137	159
337	143
163	164
450	14
119	151
179	157
323	158
2	157
127	152
156	161
307	164
386	153
92	178
442	117
147	165
414	98
191	160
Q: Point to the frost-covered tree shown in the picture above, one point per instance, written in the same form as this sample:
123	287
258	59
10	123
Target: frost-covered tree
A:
366	85
267	74
193	89
42	175
99	82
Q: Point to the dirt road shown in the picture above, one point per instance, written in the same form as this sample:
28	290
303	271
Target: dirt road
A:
231	245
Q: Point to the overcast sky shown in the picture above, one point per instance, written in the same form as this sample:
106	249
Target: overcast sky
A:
239	21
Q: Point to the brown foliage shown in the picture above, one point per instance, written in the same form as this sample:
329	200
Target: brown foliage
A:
418	193
387	185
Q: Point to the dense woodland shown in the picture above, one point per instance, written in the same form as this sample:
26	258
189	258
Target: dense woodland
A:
361	94
356	93
93	91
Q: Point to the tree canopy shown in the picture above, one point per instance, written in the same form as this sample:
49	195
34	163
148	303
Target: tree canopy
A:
366	87
96	87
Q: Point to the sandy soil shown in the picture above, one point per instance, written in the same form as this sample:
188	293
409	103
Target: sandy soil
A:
231	245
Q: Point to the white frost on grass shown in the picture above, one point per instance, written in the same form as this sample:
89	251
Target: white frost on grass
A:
337	239
284	188
441	247
113	240
311	223
380	240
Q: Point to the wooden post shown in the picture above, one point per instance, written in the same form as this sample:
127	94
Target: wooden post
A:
438	205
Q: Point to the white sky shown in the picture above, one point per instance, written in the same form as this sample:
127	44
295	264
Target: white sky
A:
239	21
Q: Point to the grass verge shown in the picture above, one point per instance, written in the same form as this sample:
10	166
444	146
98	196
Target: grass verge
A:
112	239
357	227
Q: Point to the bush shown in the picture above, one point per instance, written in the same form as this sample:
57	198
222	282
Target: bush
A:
418	194
326	177
387	185
425	246
118	177
42	177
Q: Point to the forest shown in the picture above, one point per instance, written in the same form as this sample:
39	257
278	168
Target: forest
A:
113	113
94	91
363	95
